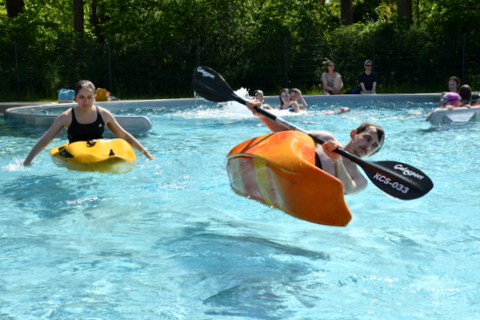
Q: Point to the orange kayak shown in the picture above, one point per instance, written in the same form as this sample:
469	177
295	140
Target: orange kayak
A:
279	169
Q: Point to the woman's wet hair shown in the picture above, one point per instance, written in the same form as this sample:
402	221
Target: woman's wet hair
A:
83	84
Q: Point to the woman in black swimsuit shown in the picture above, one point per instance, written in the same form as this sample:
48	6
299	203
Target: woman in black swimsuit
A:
83	122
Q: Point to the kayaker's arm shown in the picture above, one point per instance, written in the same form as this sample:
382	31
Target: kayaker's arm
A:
271	124
353	181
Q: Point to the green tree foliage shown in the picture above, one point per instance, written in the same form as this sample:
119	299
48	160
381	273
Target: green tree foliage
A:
147	48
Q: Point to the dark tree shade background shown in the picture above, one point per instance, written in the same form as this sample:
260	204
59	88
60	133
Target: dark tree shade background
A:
148	48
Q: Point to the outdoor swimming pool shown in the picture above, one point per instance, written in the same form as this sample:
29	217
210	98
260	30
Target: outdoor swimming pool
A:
171	240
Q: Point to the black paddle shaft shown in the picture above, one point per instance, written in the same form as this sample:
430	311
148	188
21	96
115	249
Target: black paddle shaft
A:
397	179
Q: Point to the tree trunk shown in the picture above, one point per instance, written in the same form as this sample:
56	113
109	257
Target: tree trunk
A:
405	11
14	8
78	13
347	12
98	19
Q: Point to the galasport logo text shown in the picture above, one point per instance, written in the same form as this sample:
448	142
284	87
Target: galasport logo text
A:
205	73
396	185
408	172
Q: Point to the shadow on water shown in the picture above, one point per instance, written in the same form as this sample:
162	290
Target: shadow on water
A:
236	270
49	196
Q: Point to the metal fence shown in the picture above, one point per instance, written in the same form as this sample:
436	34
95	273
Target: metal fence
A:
37	70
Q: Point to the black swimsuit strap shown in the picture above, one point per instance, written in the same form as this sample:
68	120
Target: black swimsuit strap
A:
318	162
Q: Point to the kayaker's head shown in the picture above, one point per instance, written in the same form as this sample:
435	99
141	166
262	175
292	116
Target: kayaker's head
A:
367	139
84	93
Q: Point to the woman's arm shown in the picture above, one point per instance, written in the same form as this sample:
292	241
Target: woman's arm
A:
118	130
374	87
362	86
304	104
295	106
60	122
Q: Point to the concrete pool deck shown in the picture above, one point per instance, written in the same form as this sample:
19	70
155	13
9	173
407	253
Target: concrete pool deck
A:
5	105
272	100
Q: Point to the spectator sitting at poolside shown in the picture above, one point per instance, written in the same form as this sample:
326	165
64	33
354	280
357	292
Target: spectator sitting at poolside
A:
453	84
465	93
368	79
331	80
296	94
258	94
475	101
286	102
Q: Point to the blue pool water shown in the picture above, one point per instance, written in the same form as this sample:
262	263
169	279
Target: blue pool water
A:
171	240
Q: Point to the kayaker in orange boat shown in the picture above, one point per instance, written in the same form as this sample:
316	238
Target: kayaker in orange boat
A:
365	141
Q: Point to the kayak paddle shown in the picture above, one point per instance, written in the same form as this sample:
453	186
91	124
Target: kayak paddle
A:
397	179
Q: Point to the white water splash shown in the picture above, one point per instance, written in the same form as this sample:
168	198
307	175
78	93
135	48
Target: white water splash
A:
15	165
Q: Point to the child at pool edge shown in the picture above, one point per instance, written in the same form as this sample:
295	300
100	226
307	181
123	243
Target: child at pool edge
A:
258	94
449	100
286	102
85	113
296	95
465	93
453	83
365	141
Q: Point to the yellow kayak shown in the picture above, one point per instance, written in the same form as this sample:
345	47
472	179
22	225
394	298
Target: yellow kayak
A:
102	155
279	169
